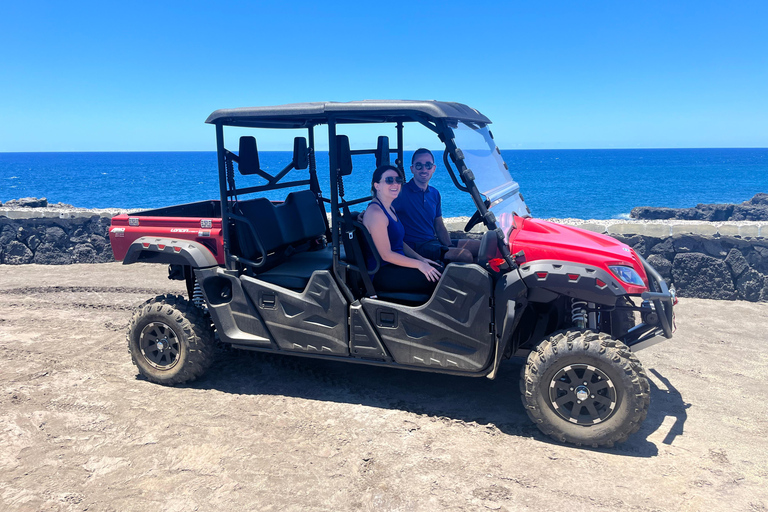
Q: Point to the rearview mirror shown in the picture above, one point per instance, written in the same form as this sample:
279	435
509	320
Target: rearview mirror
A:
382	151
300	153
248	157
343	155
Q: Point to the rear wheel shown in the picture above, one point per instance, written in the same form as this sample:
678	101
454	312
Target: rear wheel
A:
170	340
585	388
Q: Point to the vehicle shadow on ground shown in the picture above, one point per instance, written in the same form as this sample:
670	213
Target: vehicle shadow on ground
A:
493	403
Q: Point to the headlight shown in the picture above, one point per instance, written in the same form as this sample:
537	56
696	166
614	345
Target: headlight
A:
627	274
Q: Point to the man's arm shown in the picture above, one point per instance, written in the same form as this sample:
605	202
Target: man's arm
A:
442	232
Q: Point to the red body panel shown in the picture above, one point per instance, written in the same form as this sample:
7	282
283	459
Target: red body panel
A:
126	229
542	240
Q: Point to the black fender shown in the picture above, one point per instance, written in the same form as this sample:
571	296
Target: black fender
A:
150	249
546	279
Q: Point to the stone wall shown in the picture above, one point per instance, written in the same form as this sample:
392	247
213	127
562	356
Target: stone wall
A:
50	237
715	260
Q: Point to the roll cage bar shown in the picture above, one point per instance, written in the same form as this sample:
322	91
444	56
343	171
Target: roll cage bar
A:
435	115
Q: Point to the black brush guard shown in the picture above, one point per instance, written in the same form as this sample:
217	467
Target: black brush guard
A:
657	311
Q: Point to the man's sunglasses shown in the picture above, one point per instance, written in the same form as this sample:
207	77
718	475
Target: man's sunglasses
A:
392	179
419	166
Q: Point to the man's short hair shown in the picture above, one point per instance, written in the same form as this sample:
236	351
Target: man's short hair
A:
422	151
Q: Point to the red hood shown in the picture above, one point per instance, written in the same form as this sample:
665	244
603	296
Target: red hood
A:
542	240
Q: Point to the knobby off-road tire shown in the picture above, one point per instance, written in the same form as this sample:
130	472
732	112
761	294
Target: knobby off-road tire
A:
585	388
170	340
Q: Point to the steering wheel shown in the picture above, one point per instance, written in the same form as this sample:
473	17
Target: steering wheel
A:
476	218
473	221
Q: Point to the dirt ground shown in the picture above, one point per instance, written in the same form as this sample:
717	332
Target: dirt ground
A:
79	430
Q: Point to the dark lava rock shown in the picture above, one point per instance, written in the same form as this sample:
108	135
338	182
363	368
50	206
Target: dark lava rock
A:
759	199
16	253
758	258
662	265
55	235
700	276
653	213
755	209
84	253
28	202
51	254
687	243
666	248
714	247
737	262
750	285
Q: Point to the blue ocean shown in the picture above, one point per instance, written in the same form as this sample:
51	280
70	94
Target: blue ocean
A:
586	184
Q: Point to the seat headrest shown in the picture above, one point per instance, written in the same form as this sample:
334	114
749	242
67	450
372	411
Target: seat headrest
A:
248	157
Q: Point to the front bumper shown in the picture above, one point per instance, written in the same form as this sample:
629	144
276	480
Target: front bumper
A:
657	311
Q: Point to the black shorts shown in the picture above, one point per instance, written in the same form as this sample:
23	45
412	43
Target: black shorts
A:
433	249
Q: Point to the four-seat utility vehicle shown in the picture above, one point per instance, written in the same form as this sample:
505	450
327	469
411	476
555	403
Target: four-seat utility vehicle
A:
277	264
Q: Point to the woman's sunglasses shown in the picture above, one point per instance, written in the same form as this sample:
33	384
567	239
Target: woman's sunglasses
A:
392	179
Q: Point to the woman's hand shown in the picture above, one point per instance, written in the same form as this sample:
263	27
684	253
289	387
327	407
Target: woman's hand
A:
431	273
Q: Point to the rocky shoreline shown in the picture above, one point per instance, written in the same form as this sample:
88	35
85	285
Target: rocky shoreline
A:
716	260
755	209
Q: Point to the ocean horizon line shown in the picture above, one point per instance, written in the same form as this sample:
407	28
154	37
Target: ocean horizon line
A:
407	150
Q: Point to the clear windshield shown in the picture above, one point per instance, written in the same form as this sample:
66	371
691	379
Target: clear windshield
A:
492	177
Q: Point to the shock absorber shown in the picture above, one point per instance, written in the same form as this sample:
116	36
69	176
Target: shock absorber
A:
579	314
197	296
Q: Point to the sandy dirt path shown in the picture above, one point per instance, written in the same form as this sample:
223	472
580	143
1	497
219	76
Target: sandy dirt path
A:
79	430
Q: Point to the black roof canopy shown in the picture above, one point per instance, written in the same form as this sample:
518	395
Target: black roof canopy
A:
300	115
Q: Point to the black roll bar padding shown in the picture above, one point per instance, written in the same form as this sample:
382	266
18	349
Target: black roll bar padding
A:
662	299
399	160
221	157
447	164
300	153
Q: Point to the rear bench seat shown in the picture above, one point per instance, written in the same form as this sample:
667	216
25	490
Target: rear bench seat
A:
286	231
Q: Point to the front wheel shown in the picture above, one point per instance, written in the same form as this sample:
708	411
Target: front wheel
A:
585	388
170	340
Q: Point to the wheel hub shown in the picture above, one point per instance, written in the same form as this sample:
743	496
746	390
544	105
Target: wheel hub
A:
582	394
159	345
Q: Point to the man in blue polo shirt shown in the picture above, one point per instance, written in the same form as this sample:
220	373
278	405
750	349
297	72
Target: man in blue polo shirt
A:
420	211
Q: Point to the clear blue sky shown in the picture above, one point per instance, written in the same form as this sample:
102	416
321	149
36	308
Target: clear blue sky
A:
143	76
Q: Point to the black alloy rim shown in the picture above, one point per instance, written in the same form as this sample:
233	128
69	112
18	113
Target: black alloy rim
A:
582	394
159	345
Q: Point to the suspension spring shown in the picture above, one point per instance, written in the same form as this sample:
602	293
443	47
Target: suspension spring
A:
197	296
579	314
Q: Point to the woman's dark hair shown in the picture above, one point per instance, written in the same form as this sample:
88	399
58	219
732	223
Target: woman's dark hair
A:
381	170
